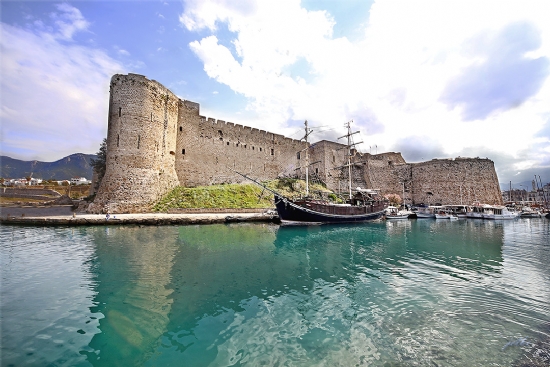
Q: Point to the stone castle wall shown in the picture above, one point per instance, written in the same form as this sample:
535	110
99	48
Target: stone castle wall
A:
385	172
443	181
209	151
330	157
157	141
458	180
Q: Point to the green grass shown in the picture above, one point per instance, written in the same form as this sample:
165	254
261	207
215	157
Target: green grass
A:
232	195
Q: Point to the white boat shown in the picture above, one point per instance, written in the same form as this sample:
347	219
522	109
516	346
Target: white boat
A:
444	214
476	211
393	213
425	212
528	212
460	211
498	212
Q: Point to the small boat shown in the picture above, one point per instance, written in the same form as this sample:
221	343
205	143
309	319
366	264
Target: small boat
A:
528	212
476	211
459	211
443	214
498	212
424	211
393	213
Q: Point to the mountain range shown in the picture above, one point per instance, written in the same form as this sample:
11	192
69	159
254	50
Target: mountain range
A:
74	165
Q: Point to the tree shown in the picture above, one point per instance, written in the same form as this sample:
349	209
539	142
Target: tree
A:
100	163
394	199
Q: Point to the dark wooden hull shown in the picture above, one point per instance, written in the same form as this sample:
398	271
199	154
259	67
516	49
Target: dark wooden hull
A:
311	212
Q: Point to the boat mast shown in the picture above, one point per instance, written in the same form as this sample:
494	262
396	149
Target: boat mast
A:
307	163
543	193
308	131
349	158
404	194
348	135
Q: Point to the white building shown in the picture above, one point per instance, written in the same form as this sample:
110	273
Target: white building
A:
79	181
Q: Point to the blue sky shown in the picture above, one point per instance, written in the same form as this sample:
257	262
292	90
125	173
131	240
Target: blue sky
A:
429	79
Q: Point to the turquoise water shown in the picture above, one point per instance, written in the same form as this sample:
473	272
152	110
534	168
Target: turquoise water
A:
413	293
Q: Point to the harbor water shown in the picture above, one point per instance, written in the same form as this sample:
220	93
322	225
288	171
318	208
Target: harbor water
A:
404	293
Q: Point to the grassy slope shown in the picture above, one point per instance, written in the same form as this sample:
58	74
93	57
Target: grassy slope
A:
232	195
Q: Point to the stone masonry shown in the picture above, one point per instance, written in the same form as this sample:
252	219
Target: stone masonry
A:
156	141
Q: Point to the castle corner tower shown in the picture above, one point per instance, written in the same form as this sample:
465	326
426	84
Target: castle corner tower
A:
141	145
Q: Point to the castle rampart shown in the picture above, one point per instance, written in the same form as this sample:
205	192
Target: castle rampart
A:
157	141
443	181
209	151
459	180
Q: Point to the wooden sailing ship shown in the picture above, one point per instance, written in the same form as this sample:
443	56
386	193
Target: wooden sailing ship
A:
363	206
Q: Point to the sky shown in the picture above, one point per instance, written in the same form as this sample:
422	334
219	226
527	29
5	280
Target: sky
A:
429	79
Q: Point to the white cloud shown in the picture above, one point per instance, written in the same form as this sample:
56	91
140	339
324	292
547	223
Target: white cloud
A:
69	21
122	51
285	60
54	94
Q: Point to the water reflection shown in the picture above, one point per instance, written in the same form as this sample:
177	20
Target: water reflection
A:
133	293
395	293
322	294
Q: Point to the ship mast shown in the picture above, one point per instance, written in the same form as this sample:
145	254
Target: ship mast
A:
308	131
348	164
349	159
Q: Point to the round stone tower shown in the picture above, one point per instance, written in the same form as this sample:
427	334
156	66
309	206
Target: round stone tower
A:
141	145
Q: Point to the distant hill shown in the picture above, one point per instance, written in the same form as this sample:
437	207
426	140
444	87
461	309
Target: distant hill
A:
74	165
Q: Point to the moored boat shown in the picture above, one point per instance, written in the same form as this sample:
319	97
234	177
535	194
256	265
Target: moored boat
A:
476	211
309	211
460	211
528	212
366	205
424	211
444	214
498	212
393	213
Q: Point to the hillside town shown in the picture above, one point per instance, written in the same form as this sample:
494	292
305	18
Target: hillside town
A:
31	181
534	195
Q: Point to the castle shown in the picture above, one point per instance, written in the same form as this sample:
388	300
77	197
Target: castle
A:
156	141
